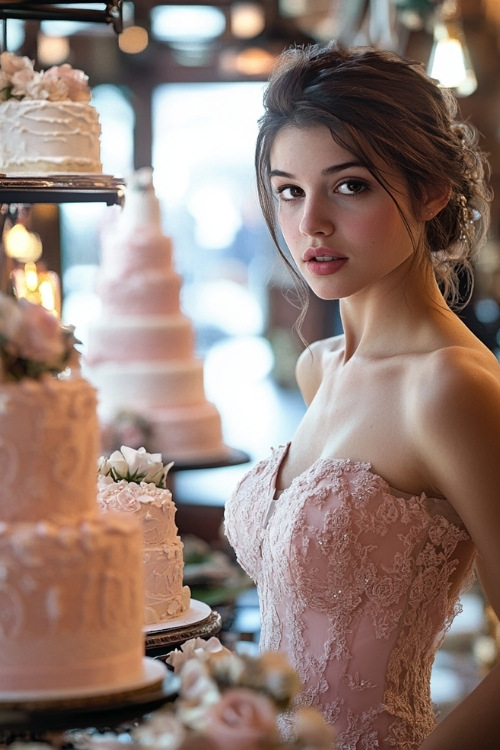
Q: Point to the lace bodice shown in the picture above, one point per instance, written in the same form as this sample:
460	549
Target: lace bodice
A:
357	585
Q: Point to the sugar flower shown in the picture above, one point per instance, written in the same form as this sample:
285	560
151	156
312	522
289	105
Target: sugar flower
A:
19	80
32	341
134	466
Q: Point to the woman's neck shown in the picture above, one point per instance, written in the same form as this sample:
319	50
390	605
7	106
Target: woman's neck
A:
388	320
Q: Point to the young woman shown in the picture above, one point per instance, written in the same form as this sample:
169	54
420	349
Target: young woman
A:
361	533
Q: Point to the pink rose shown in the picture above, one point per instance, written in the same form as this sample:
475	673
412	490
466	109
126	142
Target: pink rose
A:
12	63
241	719
39	337
312	731
75	81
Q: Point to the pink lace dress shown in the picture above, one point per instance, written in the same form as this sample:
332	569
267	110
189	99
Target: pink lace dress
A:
357	585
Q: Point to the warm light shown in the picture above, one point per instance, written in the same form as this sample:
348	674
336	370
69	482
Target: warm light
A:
253	61
247	20
22	245
52	50
449	62
133	40
31	277
34	283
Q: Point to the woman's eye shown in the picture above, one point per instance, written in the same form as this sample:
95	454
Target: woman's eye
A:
288	192
351	187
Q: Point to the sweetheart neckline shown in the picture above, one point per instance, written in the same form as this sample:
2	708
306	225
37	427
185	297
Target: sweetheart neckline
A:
357	464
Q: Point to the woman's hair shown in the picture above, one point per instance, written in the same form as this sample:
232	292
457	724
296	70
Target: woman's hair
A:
378	105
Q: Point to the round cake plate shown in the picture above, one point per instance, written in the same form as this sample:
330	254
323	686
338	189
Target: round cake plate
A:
103	706
197	612
200	621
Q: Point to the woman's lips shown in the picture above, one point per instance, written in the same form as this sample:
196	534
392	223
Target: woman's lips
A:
321	263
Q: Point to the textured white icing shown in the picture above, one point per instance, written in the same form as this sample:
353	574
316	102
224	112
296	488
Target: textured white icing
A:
165	595
43	136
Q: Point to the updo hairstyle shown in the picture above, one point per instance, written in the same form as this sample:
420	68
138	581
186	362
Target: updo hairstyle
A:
376	103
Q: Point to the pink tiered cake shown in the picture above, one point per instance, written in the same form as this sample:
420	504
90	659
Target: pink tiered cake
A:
141	349
71	584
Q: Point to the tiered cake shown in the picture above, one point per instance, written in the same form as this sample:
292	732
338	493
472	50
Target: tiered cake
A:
46	122
134	481
140	350
71	583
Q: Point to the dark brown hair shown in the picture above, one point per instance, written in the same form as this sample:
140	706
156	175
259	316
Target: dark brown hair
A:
377	103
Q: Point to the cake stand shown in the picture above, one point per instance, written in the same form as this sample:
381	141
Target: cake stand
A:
63	188
33	712
200	621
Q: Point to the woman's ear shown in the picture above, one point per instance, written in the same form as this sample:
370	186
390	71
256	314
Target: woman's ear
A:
435	200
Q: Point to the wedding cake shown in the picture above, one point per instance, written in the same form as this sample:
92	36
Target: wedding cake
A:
71	586
140	349
134	481
46	122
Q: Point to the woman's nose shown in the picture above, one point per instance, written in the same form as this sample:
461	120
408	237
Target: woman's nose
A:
316	217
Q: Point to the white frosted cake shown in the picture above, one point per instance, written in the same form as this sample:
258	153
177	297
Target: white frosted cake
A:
71	588
141	349
133	481
46	122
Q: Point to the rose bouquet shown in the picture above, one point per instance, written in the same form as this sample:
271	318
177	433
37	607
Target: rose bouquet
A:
132	465
231	702
19	80
32	341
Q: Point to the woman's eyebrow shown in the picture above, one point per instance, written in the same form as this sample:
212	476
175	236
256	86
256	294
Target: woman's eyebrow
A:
333	169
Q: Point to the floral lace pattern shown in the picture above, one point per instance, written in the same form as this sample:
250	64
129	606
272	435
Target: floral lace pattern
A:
357	586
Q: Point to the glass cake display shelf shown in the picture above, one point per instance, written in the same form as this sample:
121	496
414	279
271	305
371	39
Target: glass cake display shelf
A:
74	188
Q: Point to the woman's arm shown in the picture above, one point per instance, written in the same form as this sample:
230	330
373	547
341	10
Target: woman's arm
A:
458	437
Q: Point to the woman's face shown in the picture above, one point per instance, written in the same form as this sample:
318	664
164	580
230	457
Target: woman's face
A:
344	231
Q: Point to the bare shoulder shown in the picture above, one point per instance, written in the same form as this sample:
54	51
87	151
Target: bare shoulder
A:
455	380
454	412
311	364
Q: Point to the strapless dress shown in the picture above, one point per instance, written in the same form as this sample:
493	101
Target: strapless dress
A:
357	585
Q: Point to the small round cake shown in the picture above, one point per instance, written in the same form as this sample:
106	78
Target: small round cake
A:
133	481
47	125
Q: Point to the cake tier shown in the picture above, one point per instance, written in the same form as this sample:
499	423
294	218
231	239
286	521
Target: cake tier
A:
140	339
124	254
134	386
141	205
151	505
187	433
68	604
49	444
149	292
38	136
166	597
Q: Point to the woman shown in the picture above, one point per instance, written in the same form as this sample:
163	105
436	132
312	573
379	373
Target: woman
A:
361	533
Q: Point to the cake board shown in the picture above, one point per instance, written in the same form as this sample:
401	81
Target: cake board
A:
100	707
200	621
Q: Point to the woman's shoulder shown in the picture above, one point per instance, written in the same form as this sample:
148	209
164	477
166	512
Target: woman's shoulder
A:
311	364
453	405
452	372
